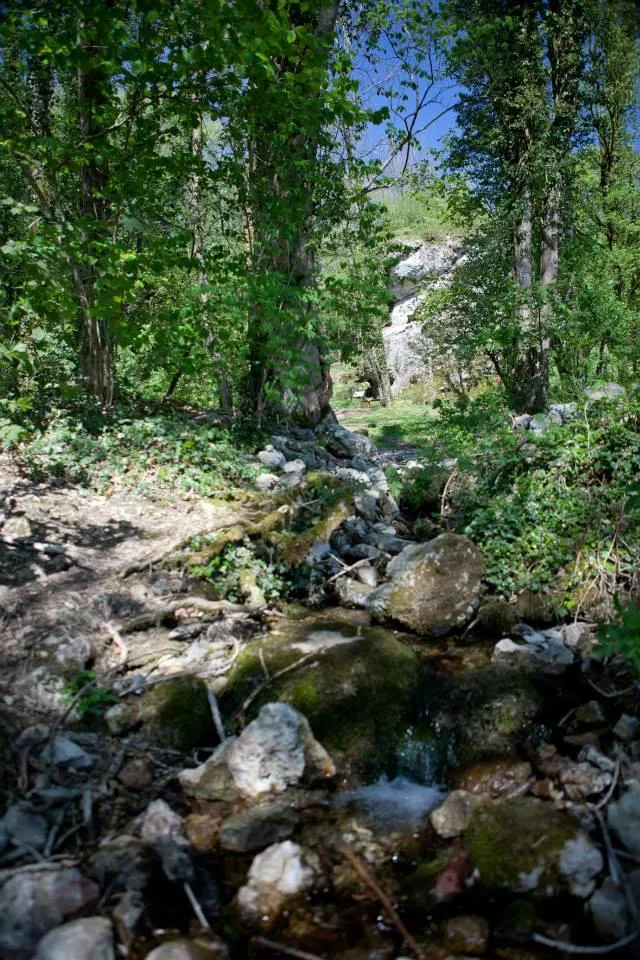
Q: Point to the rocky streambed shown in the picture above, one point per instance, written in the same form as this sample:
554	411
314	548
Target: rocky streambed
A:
405	771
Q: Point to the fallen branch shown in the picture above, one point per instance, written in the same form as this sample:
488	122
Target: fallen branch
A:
287	951
575	948
341	573
197	909
364	874
141	683
114	633
616	693
276	676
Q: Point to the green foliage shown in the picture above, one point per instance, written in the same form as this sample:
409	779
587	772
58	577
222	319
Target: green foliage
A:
622	635
94	700
227	570
159	454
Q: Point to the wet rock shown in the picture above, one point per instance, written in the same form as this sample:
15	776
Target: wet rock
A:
626	729
176	714
257	828
275	751
609	910
541	650
527	846
266	481
359	694
88	939
501	779
25	827
272	459
434	587
278	875
352	593
136	775
31	904
624	819
122	863
465	934
452	818
587	715
484	713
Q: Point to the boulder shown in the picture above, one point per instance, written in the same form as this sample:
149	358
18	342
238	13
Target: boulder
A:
266	481
624	819
527	846
175	714
272	459
88	939
359	693
343	443
281	873
31	904
25	827
276	751
434	587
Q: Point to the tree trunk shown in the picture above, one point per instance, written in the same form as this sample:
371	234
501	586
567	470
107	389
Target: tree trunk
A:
376	372
97	349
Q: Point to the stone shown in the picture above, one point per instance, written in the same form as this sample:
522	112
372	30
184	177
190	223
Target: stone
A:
88	939
272	459
367	575
295	466
120	718
31	904
266	481
608	391
465	934
434	587
608	909
123	862
25	827
257	828
65	752
498	779
626	729
624	819
279	874
343	443
65	656
541	650
587	715
203	831
204	948
352	593
452	818
527	846
275	751
136	774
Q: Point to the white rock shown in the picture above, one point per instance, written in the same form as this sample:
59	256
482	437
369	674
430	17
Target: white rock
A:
295	466
266	481
452	817
541	651
275	751
580	862
87	939
278	874
272	459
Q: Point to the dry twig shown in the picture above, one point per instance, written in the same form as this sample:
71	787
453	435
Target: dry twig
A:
364	874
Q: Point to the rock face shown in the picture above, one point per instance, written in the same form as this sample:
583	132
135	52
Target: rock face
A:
282	872
406	349
276	751
434	587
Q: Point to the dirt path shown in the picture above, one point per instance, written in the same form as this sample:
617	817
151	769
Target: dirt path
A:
63	550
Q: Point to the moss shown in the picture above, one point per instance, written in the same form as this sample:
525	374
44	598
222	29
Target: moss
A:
304	695
517	843
176	714
293	546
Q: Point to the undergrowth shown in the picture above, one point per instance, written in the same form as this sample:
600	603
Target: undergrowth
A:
153	454
558	512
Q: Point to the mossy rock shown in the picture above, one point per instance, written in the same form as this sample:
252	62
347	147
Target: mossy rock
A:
293	546
176	714
485	713
359	693
517	844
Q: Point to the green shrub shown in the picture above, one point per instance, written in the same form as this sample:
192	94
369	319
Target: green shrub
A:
622	635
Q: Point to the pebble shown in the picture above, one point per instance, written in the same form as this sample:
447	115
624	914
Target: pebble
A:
452	818
88	939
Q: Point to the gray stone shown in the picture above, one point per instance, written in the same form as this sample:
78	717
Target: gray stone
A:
266	481
343	443
609	391
31	904
367	574
64	656
279	874
452	818
566	411
434	587
257	828
272	459
624	819
212	948
24	827
352	593
65	752
275	751
608	909
295	466
541	651
626	729
88	939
